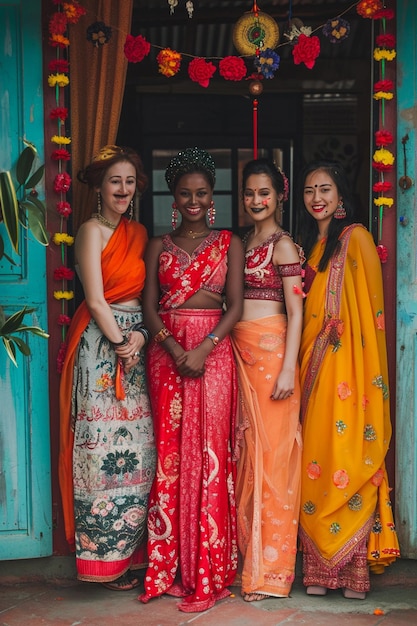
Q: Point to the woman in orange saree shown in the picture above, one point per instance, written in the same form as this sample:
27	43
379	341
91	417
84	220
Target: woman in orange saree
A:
266	343
346	522
107	452
192	546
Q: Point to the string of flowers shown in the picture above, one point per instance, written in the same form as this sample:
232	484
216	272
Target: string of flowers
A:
58	79
383	159
305	49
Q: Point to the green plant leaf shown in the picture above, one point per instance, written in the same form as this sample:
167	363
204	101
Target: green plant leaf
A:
36	223
10	349
10	209
14	321
3	254
35	330
35	178
2	316
24	164
22	345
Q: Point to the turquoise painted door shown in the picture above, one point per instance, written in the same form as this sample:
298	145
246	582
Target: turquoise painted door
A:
406	414
25	492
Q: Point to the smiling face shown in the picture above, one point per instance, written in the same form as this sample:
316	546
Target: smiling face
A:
117	189
321	198
260	198
193	195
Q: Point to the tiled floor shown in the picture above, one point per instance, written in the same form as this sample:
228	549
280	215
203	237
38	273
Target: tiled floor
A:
64	602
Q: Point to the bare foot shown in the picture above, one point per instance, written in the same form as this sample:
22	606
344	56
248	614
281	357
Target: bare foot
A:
354	595
254	597
316	590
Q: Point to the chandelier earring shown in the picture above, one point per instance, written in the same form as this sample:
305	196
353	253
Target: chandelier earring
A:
99	203
211	213
340	212
174	216
131	208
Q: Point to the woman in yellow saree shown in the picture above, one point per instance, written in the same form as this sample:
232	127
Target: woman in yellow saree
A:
346	523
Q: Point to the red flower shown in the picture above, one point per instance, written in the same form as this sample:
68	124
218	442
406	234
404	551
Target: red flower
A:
387	14
382	253
62	182
383	138
61	357
58	66
200	71
64	208
59	113
381	187
306	50
384	85
381	167
60	155
232	68
367	8
64	320
58	23
73	11
63	273
385	41
136	48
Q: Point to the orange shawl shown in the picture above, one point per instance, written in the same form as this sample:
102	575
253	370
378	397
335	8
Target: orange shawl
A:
123	272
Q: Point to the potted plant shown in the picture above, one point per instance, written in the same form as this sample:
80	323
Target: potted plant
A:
20	206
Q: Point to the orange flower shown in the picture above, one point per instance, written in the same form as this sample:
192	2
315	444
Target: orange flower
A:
313	470
341	479
169	62
343	390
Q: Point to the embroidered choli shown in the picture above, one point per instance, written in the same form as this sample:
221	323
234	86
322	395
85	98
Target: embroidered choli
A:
208	263
263	279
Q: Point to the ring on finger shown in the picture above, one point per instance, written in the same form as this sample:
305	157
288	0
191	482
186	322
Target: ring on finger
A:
136	354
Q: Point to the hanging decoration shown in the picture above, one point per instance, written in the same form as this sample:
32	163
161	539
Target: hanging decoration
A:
254	31
99	34
383	159
189	5
66	13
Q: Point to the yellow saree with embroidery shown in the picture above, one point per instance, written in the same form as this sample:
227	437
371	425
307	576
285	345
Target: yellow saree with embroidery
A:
346	522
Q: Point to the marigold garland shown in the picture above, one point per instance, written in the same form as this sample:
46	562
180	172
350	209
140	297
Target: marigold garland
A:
383	159
169	62
66	13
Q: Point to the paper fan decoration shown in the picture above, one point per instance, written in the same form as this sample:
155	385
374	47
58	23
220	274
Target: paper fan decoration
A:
254	32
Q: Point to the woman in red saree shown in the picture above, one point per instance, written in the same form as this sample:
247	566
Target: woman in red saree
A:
192	548
346	522
107	452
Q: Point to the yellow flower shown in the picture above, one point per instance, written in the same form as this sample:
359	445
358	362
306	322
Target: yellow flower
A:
63	295
384	156
60	40
382	53
381	201
61	80
383	95
59	238
61	140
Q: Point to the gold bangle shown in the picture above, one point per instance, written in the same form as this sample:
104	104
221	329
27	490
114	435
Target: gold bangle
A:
163	334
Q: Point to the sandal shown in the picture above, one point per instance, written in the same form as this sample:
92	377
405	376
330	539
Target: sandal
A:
126	582
254	596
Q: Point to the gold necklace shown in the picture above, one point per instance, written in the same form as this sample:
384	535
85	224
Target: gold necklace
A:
193	235
104	221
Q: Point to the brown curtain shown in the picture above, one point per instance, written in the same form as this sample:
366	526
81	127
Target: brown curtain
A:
97	82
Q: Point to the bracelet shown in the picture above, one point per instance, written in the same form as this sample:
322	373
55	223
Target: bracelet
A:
121	343
163	334
213	338
145	333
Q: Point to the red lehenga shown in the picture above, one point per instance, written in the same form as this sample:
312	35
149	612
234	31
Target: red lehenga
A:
192	547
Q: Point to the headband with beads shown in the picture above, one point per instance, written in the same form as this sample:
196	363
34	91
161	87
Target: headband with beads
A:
186	161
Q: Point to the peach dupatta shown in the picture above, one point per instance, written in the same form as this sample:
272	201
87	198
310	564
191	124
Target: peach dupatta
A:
269	465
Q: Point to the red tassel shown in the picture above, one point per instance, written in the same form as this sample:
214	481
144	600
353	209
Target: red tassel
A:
118	382
255	129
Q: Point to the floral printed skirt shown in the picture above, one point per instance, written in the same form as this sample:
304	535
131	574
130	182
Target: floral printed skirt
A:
113	458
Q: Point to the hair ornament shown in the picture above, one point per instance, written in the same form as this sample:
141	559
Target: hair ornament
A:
286	184
187	161
108	152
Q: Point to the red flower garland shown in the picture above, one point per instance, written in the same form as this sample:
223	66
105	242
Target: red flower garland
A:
136	48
